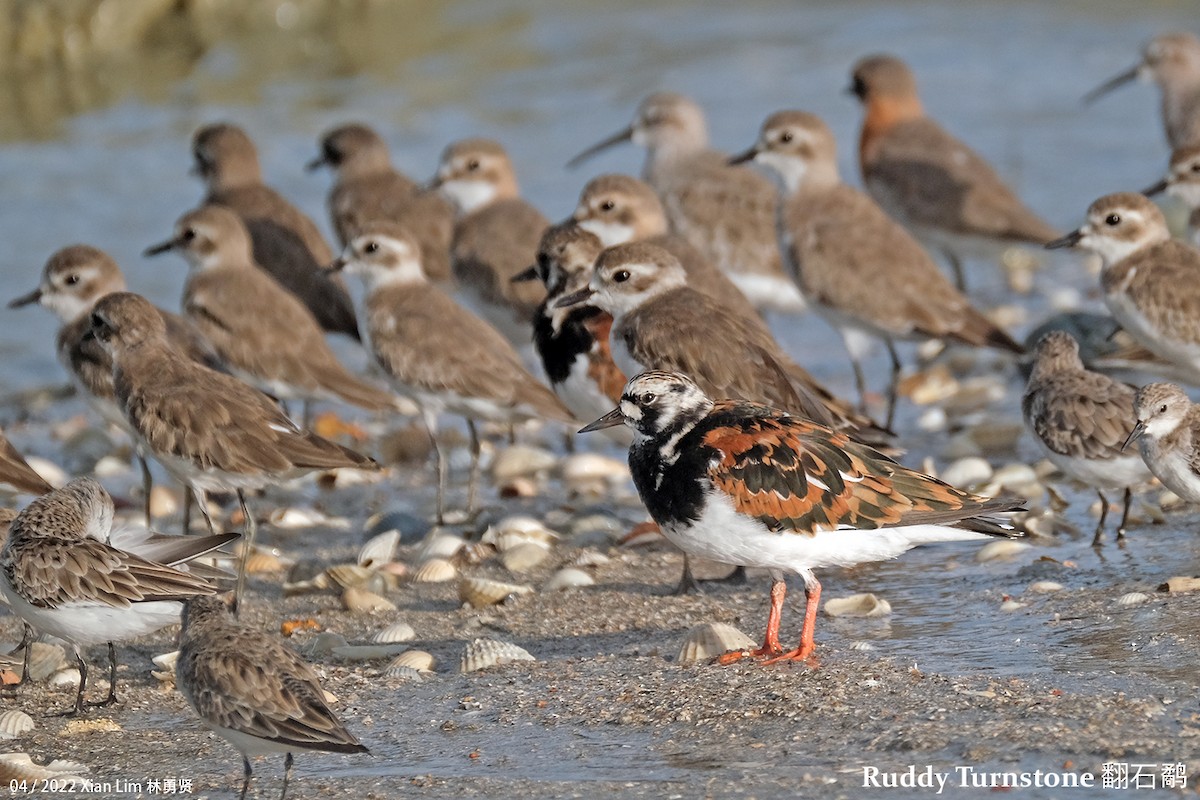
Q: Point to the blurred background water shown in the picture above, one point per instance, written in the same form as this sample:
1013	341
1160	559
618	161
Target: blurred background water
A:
99	99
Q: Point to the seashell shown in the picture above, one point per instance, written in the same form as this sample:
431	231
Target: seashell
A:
712	639
933	420
997	437
481	592
361	601
1014	475
396	569
475	553
568	578
435	570
44	660
591	558
319	583
1045	587
967	472
51	473
396	632
166	661
517	530
380	549
1000	549
974	394
519	461
931	386
366	652
1133	599
592	473
19	767
861	645
294	518
403	673
415	659
524	557
163	502
1011	605
485	653
440	545
325	643
858	605
517	487
596	529
348	575
65	677
14	723
1180	583
110	466
262	560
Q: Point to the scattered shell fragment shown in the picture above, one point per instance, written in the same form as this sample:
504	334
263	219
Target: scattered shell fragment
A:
403	673
517	530
858	605
166	661
435	570
861	645
592	473
163	502
517	487
1011	605
1003	548
419	660
1180	583
19	767
44	660
967	472
348	575
481	592
65	677
110	466
1045	587
361	601
591	558
1133	599
396	632
440	545
568	578
710	640
14	723
484	653
931	386
524	557
295	518
324	643
519	461
52	473
367	652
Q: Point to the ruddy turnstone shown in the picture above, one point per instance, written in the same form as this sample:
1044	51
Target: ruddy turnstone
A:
495	236
369	189
16	472
1081	420
1183	182
620	209
923	176
727	213
1171	60
253	691
436	352
61	577
862	270
262	333
287	244
1168	436
1151	282
209	430
742	483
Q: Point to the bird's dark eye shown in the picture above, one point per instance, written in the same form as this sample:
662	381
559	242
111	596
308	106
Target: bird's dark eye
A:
371	247
473	164
647	398
621	275
786	137
607	205
1112	219
71	279
1196	167
1162	409
189	234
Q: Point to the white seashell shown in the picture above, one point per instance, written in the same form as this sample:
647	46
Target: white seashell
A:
519	461
481	592
568	578
415	659
379	549
65	677
861	645
293	518
1014	475
403	673
484	653
858	605
361	601
110	467
396	632
44	660
435	570
712	639
325	643
1133	599
517	487
166	661
511	532
19	767
524	556
163	502
51	473
440	545
14	723
1000	549
591	473
1011	605
366	652
591	558
1045	587
933	420
347	575
967	472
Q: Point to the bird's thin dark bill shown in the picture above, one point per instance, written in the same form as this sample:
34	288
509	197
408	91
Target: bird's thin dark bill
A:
159	249
742	158
26	299
1070	240
1134	434
1112	83
1157	188
315	164
615	139
609	420
337	265
574	298
527	274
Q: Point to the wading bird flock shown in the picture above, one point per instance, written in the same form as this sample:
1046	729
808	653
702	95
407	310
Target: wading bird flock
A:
644	311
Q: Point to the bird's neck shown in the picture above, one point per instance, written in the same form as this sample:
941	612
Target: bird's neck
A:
883	114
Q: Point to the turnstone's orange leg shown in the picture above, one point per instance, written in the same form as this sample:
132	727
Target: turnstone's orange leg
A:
770	645
812	594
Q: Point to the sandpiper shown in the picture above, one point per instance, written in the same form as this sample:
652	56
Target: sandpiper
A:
862	271
1081	420
495	237
1151	282
16	472
73	279
659	322
436	352
741	483
254	691
209	430
1171	60
369	189
60	576
923	176
726	212
262	333
1183	182
1168	436
620	208
287	244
